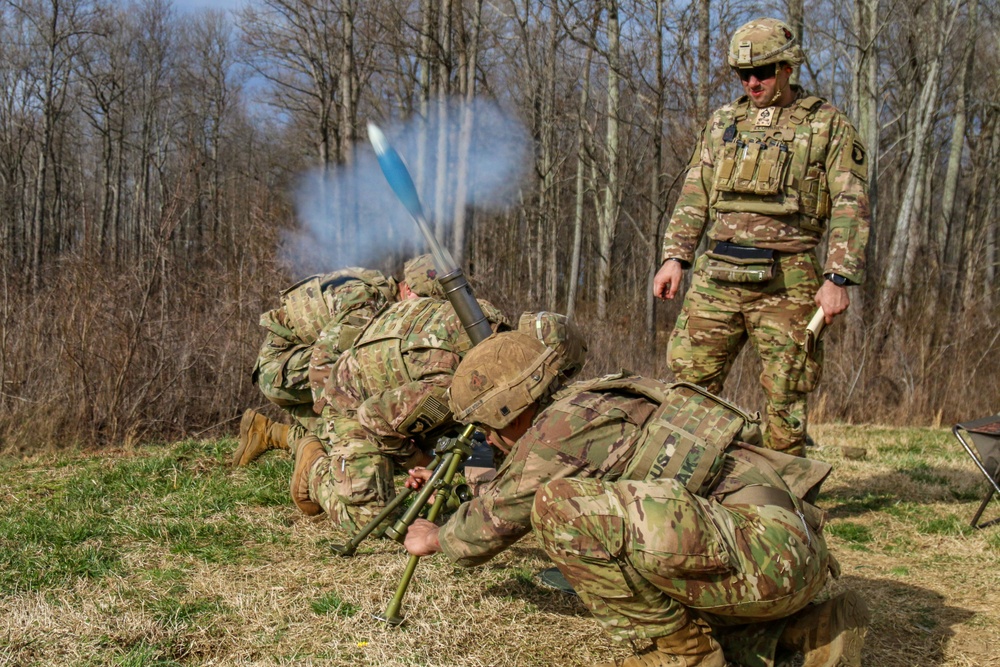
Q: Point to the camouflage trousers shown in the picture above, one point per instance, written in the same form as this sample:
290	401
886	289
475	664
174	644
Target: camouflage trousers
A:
354	481
647	558
717	319
282	375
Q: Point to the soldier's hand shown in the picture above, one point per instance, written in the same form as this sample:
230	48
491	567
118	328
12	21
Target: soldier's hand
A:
422	538
667	280
417	477
832	299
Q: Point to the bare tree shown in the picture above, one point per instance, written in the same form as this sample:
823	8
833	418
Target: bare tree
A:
57	30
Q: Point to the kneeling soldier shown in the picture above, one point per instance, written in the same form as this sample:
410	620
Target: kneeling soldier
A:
654	507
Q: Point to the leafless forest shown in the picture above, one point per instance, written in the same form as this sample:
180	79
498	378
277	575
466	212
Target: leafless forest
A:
164	173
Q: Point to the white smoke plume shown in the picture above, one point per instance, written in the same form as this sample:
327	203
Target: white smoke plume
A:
353	218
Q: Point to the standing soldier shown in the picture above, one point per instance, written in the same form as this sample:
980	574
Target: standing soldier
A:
772	173
318	319
649	499
382	406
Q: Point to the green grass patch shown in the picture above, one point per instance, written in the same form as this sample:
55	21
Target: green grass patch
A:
944	525
76	524
331	603
855	534
146	655
920	471
173	612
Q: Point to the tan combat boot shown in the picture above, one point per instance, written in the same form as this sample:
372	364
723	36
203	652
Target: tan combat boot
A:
829	634
308	451
258	434
691	646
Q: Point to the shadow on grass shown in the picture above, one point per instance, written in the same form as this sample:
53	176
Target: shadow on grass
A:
911	626
524	585
917	484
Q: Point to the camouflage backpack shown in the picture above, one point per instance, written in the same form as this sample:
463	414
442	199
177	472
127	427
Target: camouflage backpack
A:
312	303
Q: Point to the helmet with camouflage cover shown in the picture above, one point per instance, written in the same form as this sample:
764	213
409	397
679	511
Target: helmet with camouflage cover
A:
420	276
763	41
556	331
506	373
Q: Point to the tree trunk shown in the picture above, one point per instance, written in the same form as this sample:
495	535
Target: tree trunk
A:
906	219
655	196
465	139
608	212
704	56
583	132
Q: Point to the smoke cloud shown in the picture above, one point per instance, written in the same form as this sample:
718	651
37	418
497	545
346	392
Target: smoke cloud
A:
351	217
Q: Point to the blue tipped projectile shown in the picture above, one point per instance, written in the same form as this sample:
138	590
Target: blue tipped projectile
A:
398	175
395	171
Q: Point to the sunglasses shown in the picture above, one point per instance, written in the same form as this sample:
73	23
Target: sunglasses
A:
762	73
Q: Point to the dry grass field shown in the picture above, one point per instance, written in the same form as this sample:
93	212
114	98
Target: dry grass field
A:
166	556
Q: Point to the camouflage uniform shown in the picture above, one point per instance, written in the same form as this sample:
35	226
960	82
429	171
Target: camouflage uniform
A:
593	475
384	395
317	319
777	179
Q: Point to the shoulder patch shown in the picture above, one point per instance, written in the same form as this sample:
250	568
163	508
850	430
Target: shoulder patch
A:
855	159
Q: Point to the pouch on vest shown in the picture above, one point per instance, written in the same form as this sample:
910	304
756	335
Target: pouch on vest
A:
739	264
306	308
814	199
686	438
753	167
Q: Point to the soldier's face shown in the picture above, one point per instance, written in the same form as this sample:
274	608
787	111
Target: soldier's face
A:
761	84
504	438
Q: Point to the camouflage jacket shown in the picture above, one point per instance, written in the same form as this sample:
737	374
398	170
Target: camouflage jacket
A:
776	178
595	432
574	437
393	380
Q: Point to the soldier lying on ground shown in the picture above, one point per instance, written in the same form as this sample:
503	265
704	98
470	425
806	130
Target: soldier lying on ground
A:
382	406
647	497
318	319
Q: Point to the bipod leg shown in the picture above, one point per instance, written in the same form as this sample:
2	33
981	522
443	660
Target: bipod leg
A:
439	483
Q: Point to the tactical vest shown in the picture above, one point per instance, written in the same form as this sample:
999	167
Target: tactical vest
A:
307	303
764	166
709	445
686	437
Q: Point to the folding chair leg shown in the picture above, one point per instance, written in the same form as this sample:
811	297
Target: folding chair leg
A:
982	508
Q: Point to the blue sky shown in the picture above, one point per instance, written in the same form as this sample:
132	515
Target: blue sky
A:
188	5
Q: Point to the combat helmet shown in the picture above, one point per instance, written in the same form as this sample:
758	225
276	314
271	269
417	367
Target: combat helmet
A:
556	331
763	41
420	275
509	371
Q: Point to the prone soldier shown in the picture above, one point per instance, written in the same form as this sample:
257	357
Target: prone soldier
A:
382	405
319	317
654	506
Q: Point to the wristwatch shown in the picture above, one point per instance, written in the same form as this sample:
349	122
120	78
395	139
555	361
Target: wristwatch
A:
836	279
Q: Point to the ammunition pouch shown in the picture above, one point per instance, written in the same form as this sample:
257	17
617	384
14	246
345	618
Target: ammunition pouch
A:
754	166
739	264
